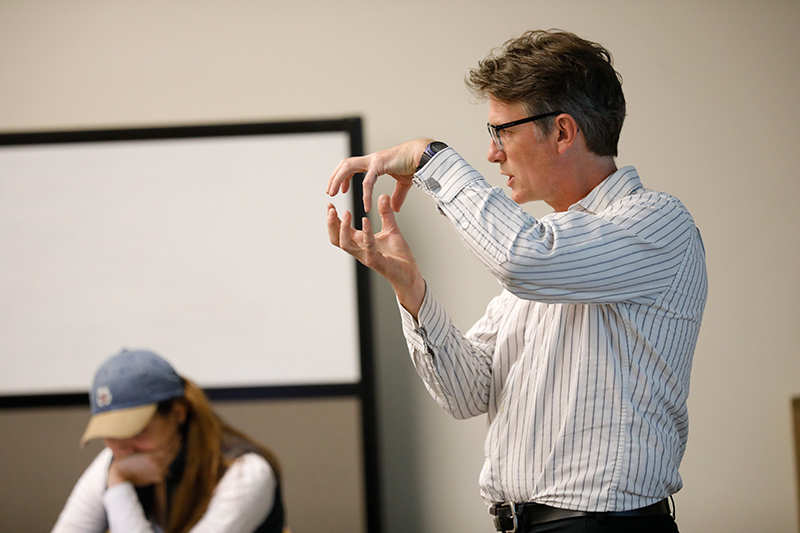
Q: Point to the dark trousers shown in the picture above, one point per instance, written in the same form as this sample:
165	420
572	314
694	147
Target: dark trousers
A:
607	524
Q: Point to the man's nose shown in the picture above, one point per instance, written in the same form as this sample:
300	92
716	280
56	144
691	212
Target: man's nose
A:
495	155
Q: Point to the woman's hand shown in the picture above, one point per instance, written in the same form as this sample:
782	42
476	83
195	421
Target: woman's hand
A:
144	467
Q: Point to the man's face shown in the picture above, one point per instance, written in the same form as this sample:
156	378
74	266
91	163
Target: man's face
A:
526	159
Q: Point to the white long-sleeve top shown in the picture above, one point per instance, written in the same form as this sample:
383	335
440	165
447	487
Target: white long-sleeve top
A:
582	363
240	502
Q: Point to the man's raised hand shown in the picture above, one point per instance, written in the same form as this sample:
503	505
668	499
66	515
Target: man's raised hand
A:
399	162
387	252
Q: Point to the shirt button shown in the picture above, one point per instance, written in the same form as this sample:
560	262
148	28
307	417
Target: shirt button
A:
464	224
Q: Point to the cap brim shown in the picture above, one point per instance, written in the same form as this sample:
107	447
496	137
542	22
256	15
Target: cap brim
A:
119	423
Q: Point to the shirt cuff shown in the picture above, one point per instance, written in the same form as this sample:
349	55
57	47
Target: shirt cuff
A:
445	175
431	328
119	492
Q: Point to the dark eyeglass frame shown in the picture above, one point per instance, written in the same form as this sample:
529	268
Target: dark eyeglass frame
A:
494	131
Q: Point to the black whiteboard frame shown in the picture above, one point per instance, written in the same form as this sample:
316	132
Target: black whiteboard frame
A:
364	390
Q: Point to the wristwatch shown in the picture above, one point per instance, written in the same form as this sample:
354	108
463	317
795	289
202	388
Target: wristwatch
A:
431	149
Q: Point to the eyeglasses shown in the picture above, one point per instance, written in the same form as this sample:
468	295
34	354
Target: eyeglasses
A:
494	131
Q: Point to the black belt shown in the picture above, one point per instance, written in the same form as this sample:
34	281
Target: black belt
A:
509	517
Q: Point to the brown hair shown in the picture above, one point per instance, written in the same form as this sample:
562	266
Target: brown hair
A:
554	70
210	446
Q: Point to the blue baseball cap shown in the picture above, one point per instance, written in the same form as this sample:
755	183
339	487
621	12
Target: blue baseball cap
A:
126	391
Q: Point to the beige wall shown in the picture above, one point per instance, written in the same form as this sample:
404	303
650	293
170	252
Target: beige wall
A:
713	118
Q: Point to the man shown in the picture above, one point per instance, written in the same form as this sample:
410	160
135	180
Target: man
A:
582	363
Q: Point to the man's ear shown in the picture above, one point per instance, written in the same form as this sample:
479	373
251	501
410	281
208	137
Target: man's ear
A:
567	131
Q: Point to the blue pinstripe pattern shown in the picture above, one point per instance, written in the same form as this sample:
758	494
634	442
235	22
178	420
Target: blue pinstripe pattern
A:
582	362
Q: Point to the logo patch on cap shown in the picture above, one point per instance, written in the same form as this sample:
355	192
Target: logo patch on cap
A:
103	397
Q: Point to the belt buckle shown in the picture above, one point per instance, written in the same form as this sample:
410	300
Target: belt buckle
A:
505	517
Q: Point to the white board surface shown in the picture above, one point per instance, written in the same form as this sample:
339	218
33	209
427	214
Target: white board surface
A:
211	251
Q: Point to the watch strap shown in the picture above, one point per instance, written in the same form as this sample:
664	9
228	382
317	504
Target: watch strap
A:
430	150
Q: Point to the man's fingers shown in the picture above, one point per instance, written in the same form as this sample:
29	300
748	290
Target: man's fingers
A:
368	185
347	168
333	184
388	221
399	195
369	237
339	183
359	244
345	238
333	225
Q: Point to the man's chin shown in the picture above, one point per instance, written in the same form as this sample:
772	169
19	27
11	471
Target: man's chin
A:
518	197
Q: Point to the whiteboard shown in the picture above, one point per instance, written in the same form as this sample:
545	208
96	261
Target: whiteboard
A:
211	250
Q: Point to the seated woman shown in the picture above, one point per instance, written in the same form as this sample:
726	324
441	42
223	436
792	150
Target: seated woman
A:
170	463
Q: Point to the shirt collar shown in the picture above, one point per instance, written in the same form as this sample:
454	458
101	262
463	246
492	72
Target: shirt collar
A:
621	183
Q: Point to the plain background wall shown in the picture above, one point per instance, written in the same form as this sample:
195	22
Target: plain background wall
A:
712	91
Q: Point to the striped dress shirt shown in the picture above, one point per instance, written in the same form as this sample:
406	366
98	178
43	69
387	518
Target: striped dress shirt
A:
582	362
